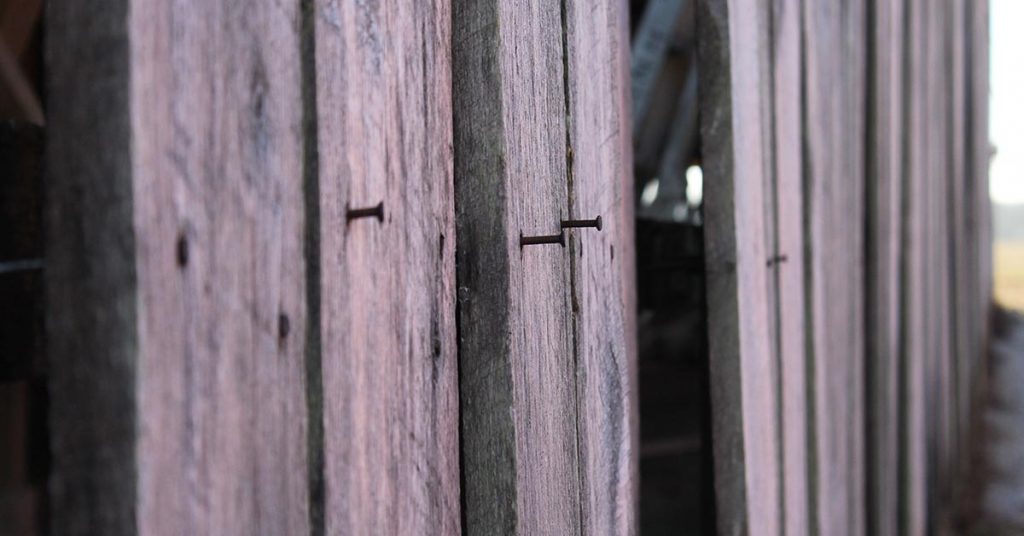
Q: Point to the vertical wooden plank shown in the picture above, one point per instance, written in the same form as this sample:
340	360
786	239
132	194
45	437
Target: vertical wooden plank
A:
789	262
604	304
884	210
913	453
736	147
175	268
517	376
217	176
90	278
851	278
835	123
390	399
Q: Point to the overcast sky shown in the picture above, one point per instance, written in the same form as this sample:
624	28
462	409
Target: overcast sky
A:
1006	104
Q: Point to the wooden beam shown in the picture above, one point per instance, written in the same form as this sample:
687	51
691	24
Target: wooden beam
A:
736	147
390	389
176	268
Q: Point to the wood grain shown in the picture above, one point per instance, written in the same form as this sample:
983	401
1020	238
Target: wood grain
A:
517	372
602	263
884	244
384	130
217	176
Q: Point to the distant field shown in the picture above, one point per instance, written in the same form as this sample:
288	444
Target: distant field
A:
1009	274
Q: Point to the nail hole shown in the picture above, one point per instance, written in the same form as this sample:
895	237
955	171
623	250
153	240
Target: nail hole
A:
182	250
284	326
613	252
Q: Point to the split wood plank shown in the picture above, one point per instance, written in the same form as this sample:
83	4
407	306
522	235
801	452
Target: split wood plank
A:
736	147
602	262
390	391
517	371
883	303
176	270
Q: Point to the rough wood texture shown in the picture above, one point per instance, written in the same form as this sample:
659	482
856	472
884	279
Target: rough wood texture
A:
390	391
175	268
602	263
541	135
517	372
217	176
736	146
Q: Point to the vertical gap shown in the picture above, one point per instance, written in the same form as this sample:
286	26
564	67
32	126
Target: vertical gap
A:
873	392
902	454
810	370
311	251
574	291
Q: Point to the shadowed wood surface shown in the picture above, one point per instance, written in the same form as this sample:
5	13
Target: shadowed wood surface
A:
737	146
390	398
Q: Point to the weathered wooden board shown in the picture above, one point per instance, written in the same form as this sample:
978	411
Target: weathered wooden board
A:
834	183
390	391
788	264
602	262
176	268
517	366
884	243
217	182
736	152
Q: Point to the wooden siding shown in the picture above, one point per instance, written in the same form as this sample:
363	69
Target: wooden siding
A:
870	138
547	377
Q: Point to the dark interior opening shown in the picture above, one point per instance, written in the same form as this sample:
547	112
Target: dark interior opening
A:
676	488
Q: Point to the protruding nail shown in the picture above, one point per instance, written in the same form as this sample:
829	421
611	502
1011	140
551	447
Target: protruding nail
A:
543	239
596	223
368	212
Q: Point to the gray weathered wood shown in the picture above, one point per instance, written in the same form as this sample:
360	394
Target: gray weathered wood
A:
736	147
602	263
91	290
390	391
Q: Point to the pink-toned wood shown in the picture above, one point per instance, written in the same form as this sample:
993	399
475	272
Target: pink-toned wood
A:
736	148
835	174
217	203
604	304
789	274
390	391
913	451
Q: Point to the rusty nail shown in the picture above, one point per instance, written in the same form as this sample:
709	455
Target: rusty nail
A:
543	239
596	223
369	212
